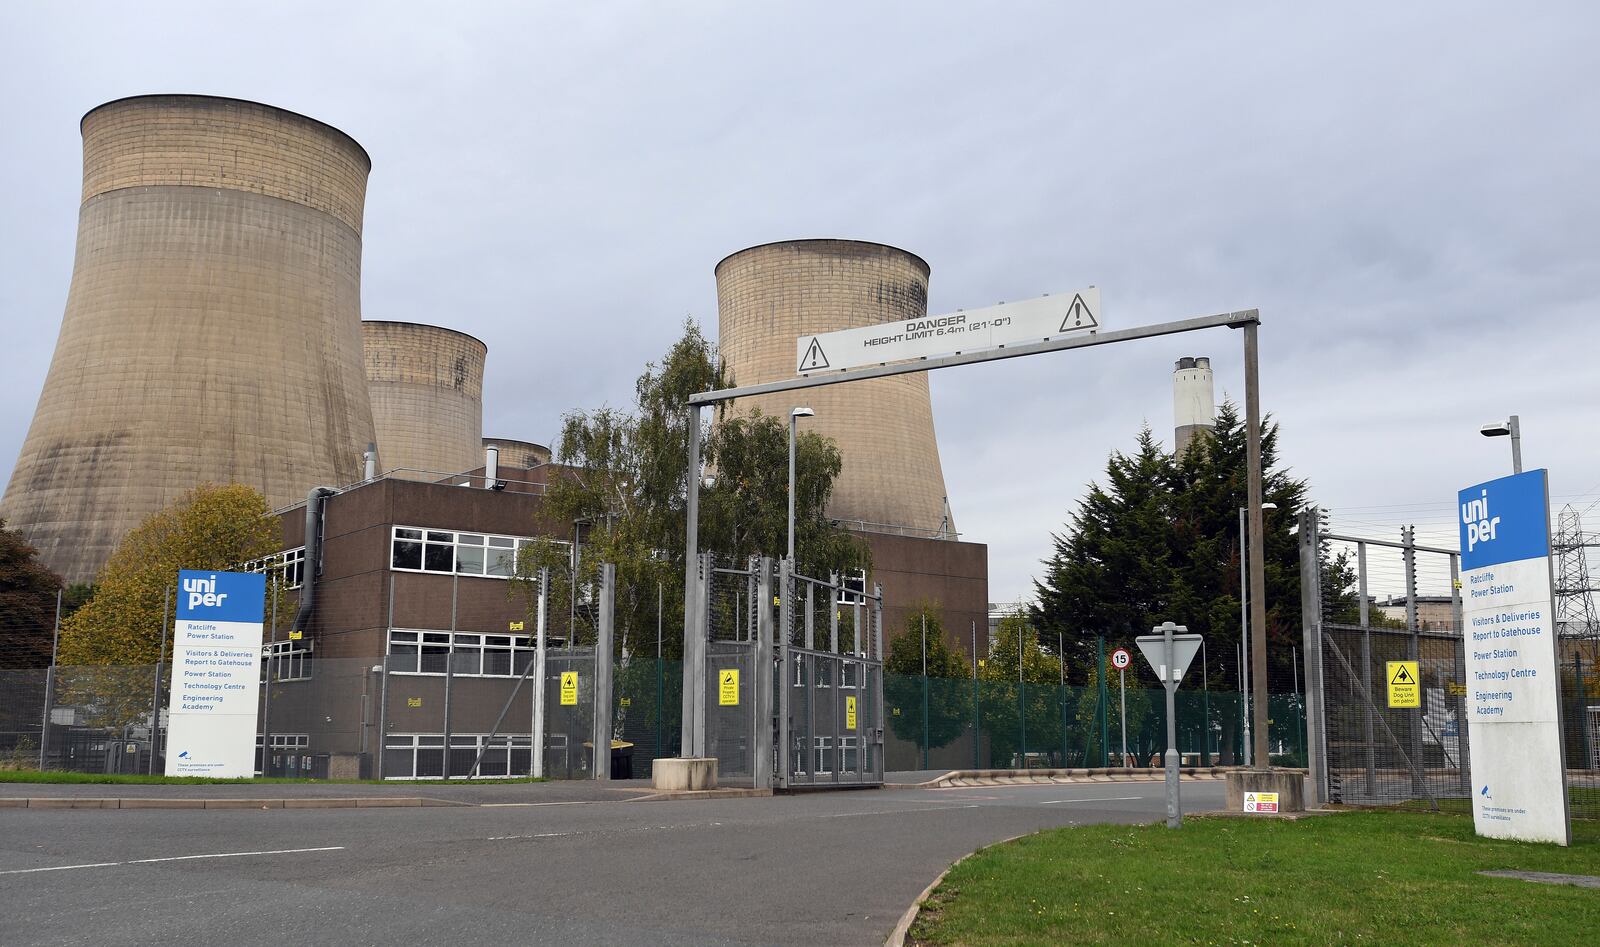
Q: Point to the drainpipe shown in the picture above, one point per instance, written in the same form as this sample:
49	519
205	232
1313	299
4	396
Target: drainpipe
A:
308	582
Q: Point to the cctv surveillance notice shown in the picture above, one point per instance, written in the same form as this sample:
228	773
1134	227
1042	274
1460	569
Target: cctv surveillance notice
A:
1513	706
216	674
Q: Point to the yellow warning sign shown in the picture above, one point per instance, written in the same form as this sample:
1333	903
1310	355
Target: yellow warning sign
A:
515	625
849	713
1404	687
569	688
413	701
296	635
728	687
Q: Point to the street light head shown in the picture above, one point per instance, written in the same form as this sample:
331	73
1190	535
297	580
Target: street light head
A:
1497	429
802	413
1269	506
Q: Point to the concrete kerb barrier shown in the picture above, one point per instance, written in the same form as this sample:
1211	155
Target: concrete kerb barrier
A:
1018	777
353	802
897	937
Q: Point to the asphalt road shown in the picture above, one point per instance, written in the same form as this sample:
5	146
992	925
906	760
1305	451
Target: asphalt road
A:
823	868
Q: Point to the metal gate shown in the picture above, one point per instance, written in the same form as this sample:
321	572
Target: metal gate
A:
776	706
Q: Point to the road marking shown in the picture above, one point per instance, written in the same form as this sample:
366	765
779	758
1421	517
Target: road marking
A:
532	805
851	815
173	858
1056	802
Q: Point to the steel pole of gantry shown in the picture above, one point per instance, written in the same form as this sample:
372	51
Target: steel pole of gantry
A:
694	665
605	633
1258	563
1311	633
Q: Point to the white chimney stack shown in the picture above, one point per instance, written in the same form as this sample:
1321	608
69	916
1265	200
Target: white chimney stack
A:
1194	403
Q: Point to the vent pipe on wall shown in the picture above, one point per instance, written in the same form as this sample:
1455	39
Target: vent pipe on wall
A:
370	462
491	469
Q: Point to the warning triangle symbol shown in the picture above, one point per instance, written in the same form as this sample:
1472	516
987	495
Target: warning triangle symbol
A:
814	357
1079	316
1402	676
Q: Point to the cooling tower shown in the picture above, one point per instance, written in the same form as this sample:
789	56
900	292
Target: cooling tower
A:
519	453
212	328
769	295
1194	404
426	384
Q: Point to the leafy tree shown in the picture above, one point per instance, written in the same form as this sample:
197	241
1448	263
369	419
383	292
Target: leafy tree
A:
1161	542
949	706
623	493
210	527
27	603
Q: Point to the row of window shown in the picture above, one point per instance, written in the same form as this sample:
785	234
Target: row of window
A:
286	660
422	756
290	565
413	549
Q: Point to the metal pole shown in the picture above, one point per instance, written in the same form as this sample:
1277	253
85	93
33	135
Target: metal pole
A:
50	683
693	664
1104	701
1257	547
383	713
1122	677
536	767
1205	705
794	422
1022	713
1244	639
1413	645
1311	634
1583	710
1463	747
661	677
925	733
1516	444
266	690
1174	803
1061	663
1366	666
449	671
605	633
155	694
977	720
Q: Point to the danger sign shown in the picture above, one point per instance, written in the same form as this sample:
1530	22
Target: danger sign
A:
728	687
1261	802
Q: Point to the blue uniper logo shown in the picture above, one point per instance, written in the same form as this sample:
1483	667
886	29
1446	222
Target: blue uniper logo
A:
221	596
1475	517
1505	520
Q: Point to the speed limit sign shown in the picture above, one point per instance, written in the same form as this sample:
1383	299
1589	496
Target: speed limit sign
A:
1120	658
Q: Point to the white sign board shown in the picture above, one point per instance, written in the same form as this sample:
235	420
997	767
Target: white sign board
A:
216	674
1513	691
1033	320
1154	648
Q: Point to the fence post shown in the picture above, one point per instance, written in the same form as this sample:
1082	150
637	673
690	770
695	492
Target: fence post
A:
1105	708
1582	716
977	719
1366	666
1311	633
50	683
536	748
1061	695
925	690
1022	706
785	624
604	633
155	693
1463	749
1408	536
449	672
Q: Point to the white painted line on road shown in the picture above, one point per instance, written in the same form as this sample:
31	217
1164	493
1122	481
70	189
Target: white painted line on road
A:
534	805
503	838
173	858
1056	802
851	815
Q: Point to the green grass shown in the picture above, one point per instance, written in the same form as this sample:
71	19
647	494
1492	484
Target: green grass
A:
1358	877
127	779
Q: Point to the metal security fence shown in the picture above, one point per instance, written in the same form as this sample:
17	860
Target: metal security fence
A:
1383	601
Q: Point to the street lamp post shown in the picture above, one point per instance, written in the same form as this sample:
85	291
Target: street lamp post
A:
794	420
1513	427
1244	631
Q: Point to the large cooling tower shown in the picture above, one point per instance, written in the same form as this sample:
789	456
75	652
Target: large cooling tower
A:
518	453
426	384
767	296
212	329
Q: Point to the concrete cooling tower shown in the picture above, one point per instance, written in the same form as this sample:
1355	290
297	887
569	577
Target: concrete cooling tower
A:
212	328
426	384
518	453
769	295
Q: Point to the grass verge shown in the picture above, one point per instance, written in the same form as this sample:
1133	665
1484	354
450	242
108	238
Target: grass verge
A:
133	779
1358	877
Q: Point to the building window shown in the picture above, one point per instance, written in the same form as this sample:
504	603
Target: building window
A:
290	565
287	741
286	660
414	549
421	756
473	655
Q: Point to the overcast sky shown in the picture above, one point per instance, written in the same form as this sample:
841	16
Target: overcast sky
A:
1407	192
